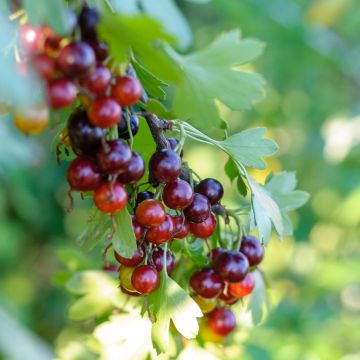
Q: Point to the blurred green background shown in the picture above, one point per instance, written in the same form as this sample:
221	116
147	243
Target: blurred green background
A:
311	65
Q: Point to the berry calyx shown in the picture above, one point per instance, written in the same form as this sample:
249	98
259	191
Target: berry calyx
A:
244	287
110	198
135	170
181	227
232	266
126	90
98	81
145	279
164	166
32	119
135	260
162	233
199	210
157	258
82	175
212	189
222	321
114	157
177	194
150	213
61	93
104	112
207	283
204	229
251	247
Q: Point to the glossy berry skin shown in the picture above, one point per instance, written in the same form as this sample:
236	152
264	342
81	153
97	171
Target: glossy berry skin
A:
135	170
174	142
127	90
216	252
207	283
181	227
212	189
100	49
232	266
125	275
123	128
85	138
164	166
228	298
252	249
199	210
98	81
157	258
45	66
110	198
31	120
222	321
150	213
177	194
61	93
76	59
114	157
104	112
162	233
82	175
204	229
144	195
135	260
138	229
206	305
88	19
244	287
145	279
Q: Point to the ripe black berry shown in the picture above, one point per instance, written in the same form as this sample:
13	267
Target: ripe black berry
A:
252	249
134	170
232	266
212	189
164	166
122	125
144	195
88	19
199	210
207	283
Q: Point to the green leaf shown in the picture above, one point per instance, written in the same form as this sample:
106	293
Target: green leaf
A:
282	189
213	74
43	12
123	240
249	147
135	34
241	186
171	302
157	108
194	250
152	85
74	259
231	170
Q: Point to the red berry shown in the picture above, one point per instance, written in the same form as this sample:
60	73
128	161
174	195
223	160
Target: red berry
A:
110	198
232	266
126	90
178	194
252	249
162	233
207	283
204	229
222	321
199	210
157	257
135	260
114	157
216	252
138	229
61	93
145	279
45	66
134	172
164	166
181	227
30	38
77	59
98	81
150	213
212	189
244	287
82	175
104	112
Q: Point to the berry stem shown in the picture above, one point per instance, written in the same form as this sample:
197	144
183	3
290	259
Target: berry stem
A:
128	124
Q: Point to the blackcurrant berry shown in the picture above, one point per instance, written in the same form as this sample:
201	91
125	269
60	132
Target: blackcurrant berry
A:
228	298
232	266
61	93
100	49
216	252
134	171
126	90
157	257
222	321
76	59
110	198
98	81
244	287
144	195
199	210
207	283
89	18
114	157
204	229
178	194
150	213
181	227
82	175
145	279
252	249
138	229
164	166
162	233
174	142
135	260
123	128
104	112
212	189
45	66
